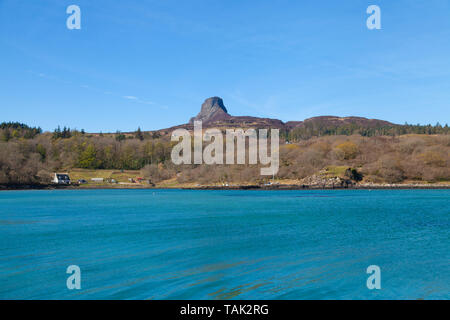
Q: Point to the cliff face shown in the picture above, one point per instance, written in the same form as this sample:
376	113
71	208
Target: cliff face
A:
214	114
212	109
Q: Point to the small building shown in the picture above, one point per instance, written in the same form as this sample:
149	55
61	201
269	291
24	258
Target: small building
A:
61	178
97	179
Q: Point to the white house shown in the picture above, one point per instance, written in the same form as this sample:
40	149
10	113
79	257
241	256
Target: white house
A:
61	178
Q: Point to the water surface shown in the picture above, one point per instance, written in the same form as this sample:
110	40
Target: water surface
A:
181	244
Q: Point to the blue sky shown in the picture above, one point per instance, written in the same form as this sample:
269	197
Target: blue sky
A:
152	63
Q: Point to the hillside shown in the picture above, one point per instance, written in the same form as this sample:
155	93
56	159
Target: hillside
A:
325	150
214	114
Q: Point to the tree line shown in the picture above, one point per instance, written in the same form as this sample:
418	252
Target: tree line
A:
309	130
11	130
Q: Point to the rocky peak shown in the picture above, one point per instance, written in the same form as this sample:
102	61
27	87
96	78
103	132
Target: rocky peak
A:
212	109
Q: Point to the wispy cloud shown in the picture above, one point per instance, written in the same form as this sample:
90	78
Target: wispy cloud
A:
131	98
138	100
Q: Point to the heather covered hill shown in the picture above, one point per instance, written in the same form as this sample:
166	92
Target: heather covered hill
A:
214	114
333	121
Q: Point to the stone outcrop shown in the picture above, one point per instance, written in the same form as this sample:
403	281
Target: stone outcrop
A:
212	109
326	182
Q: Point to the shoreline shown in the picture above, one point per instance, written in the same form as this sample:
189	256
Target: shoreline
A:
238	187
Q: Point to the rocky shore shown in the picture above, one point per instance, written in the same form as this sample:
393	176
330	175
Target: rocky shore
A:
327	186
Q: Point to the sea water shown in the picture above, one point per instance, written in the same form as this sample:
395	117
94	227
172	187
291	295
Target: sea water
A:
186	244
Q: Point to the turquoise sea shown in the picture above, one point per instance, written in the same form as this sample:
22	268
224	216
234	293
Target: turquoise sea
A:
181	244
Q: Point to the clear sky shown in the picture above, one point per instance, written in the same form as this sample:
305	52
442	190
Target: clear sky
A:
152	63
